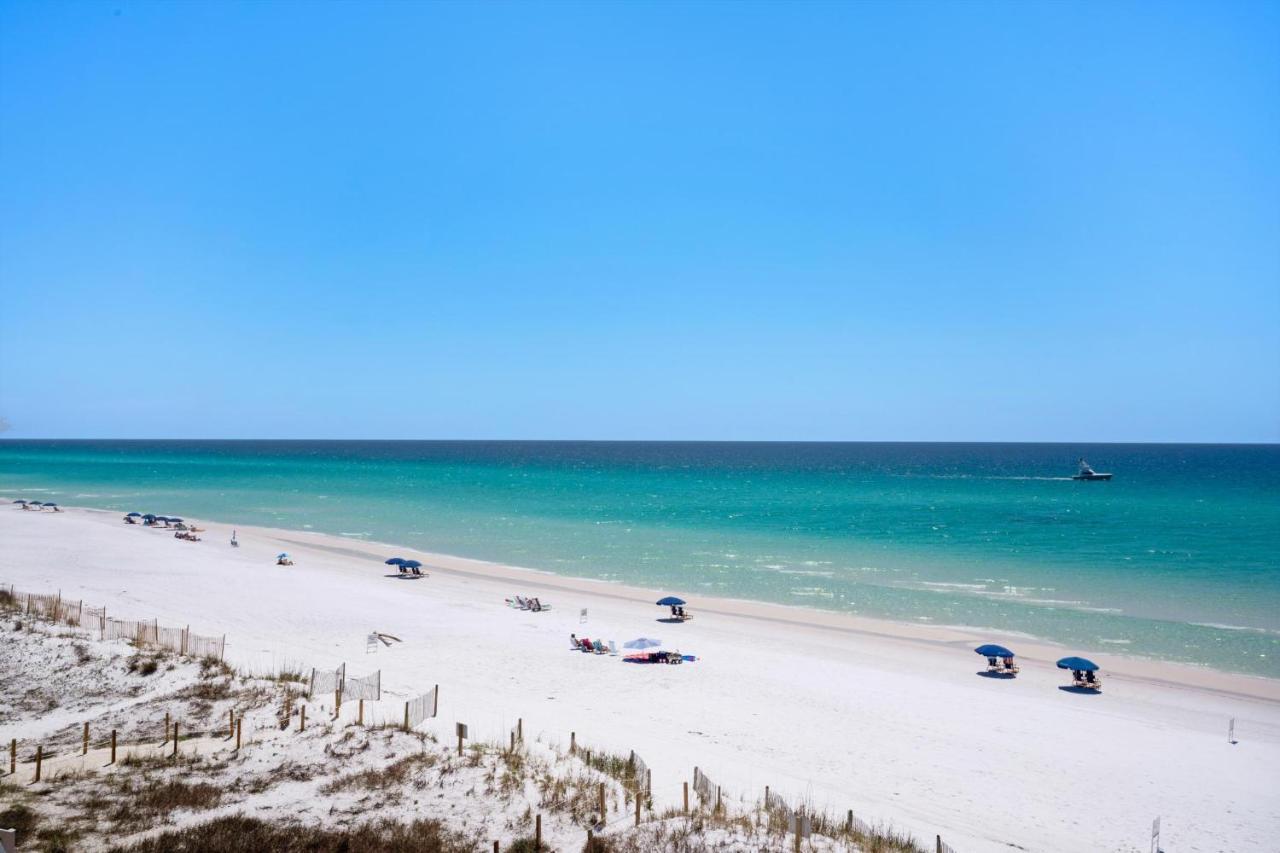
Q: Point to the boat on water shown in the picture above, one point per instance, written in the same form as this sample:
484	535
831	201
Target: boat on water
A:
1087	473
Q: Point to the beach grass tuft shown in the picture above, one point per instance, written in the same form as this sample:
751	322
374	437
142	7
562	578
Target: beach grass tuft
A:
237	833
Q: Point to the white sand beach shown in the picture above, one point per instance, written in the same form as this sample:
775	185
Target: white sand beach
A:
893	721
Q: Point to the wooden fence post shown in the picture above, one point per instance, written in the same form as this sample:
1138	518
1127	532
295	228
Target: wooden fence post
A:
573	742
337	702
113	746
222	648
238	722
520	729
85	749
686	797
637	808
231	722
537	833
406	723
495	847
939	844
435	701
848	822
513	742
166	729
13	756
39	758
717	798
175	738
302	720
360	715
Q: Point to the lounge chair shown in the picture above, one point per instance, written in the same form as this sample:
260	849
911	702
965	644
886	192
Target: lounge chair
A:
539	606
613	648
574	643
599	647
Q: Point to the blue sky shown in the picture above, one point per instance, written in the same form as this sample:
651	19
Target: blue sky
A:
851	221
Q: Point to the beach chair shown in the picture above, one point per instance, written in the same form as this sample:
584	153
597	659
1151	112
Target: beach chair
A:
613	648
574	643
539	606
584	645
599	647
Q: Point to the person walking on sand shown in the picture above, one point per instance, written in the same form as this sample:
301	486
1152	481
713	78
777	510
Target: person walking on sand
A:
234	543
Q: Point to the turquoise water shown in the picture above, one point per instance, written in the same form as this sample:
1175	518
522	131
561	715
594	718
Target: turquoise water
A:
1176	558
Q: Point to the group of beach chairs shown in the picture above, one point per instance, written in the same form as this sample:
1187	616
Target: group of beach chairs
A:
1002	666
1085	679
599	647
189	536
519	602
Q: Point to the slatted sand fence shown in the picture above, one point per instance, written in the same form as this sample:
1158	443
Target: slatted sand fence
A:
421	708
143	633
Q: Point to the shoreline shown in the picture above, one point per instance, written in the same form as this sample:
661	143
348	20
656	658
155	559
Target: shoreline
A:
1038	650
897	722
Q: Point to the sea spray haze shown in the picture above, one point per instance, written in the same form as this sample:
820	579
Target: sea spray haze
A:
1176	558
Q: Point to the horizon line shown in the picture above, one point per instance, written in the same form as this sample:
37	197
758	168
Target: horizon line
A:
663	441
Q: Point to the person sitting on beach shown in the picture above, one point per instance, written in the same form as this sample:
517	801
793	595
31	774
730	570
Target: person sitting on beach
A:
675	612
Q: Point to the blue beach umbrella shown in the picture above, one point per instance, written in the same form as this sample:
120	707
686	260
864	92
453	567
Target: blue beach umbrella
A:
642	643
49	503
395	561
175	520
282	556
134	515
20	501
1078	664
671	601
991	650
149	517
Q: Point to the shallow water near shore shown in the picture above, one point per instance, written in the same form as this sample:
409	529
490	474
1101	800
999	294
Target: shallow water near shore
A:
1175	558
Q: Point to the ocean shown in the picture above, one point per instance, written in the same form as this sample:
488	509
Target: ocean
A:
1177	558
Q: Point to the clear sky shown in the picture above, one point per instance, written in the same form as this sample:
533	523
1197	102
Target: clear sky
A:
915	221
